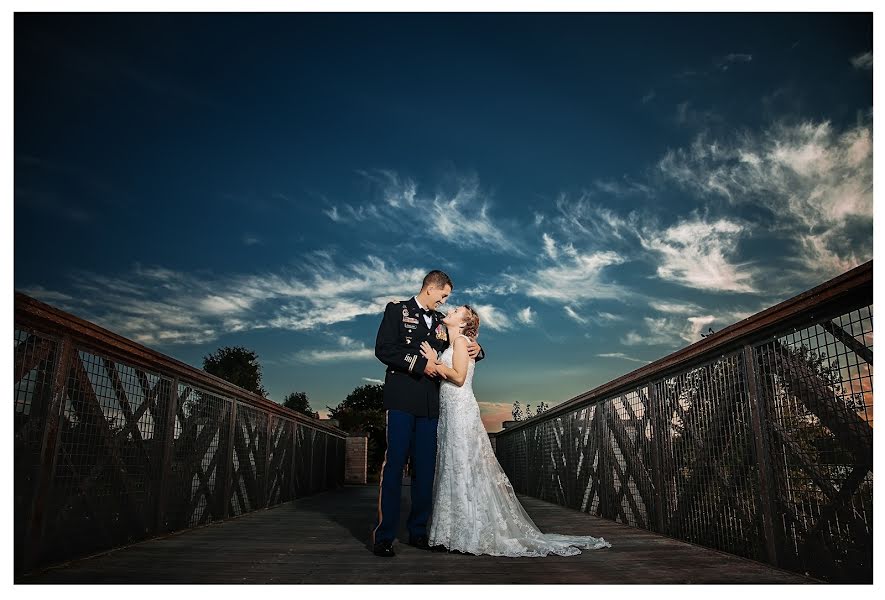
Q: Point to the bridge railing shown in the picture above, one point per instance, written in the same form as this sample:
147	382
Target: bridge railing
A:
116	443
756	440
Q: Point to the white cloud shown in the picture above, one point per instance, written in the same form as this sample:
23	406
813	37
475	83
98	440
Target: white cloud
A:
373	380
396	191
583	219
348	349
737	57
700	254
461	217
159	306
679	330
863	60
497	289
251	239
575	279
816	183
550	247
607	316
675	307
492	317
526	315
627	187
332	213
622	356
573	315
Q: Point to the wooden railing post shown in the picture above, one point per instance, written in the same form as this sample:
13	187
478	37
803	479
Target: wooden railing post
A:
229	460
167	457
758	417
49	451
656	450
294	490
267	451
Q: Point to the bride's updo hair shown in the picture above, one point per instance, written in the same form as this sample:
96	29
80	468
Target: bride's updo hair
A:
471	323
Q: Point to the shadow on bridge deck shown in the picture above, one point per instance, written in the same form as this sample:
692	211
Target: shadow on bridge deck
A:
324	539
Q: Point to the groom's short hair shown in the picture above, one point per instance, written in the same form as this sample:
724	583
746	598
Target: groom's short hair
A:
438	279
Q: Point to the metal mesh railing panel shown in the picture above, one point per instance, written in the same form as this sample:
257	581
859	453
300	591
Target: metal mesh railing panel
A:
107	473
816	384
318	463
248	472
779	471
199	458
708	465
630	455
279	476
36	356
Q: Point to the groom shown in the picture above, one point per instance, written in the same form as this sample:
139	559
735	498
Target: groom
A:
411	400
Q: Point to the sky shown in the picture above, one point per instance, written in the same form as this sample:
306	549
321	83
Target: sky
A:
602	187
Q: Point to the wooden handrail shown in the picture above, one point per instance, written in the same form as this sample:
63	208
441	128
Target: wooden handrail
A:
820	300
85	334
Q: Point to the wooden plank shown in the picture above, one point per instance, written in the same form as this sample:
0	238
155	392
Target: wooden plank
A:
324	539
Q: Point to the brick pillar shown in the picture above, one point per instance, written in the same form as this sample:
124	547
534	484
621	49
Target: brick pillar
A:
356	455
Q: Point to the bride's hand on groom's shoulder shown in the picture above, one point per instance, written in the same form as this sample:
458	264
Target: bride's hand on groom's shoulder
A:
473	349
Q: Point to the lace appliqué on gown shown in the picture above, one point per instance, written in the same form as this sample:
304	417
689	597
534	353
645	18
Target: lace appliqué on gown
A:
474	506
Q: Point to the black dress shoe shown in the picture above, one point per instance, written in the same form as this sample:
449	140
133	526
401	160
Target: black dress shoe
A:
383	549
419	542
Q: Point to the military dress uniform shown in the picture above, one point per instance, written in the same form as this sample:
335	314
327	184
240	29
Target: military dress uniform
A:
411	403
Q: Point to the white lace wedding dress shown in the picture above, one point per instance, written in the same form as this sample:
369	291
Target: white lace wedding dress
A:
475	509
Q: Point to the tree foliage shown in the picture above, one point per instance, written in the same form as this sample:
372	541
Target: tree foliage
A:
518	414
298	401
362	411
238	365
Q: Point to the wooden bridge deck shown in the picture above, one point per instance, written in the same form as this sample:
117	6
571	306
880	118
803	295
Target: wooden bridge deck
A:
323	539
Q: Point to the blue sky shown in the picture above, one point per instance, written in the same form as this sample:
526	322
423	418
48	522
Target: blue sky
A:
603	187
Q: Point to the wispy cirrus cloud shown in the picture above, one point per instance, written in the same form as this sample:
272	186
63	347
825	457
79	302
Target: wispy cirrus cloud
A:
526	316
700	254
816	182
575	278
673	332
550	247
156	305
583	218
347	349
621	355
461	215
862	61
492	317
723	62
675	307
570	312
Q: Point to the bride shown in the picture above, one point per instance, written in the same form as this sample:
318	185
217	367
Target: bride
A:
475	509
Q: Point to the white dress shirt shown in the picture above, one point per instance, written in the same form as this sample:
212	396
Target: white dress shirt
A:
427	318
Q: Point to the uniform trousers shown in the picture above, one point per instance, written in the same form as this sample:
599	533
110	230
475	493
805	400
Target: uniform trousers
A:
407	435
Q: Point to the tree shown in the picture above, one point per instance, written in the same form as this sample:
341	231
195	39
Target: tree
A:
542	407
517	411
298	401
362	411
237	365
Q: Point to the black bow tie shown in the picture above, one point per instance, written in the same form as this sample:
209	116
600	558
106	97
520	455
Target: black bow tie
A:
424	311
